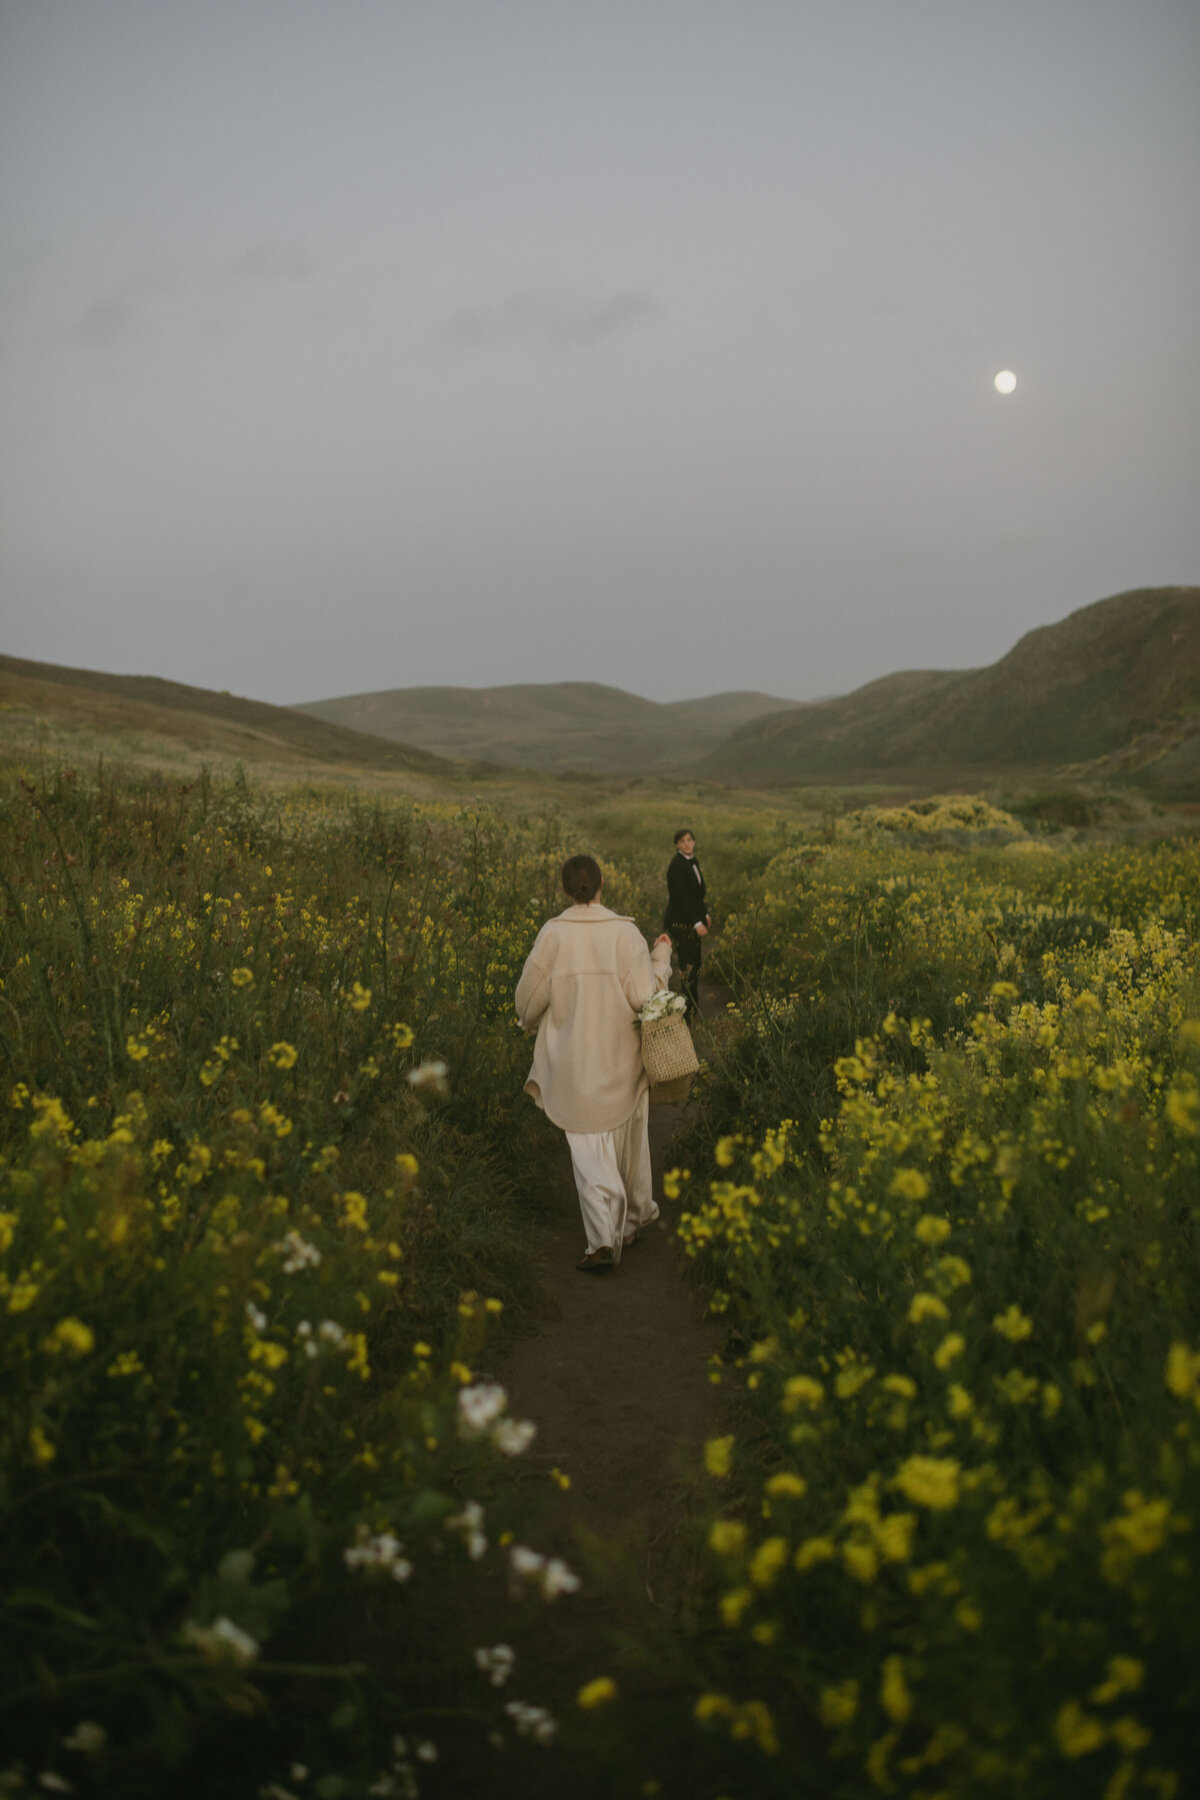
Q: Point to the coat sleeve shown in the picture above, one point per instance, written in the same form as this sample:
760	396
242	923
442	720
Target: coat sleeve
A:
533	993
643	971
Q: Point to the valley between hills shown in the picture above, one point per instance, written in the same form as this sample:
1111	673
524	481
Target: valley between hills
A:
1109	696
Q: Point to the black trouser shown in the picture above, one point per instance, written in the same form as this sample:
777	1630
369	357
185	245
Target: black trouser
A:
686	946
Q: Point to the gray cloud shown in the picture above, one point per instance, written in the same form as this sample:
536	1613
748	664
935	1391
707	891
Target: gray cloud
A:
117	316
274	259
551	319
108	322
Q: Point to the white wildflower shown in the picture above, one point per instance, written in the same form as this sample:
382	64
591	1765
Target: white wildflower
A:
381	1550
222	1641
54	1784
258	1320
330	1332
87	1737
532	1721
496	1663
512	1437
557	1579
525	1562
552	1574
469	1525
430	1078
297	1253
479	1407
426	1751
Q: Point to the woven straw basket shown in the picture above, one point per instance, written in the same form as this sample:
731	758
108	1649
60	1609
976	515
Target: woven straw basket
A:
671	1093
668	1053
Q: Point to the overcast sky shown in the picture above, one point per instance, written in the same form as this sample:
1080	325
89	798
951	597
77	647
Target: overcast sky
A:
379	343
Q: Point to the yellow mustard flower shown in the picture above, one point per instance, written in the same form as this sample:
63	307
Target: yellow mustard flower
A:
1077	1733
770	1557
908	1184
726	1536
712	1706
814	1550
718	1456
43	1450
1183	1105
1130	1734
894	1536
951	1347
787	1485
596	1693
1013	1324
893	1690
1183	1369
838	1703
1125	1675
733	1605
72	1334
802	1390
931	1481
903	1385
753	1720
926	1306
861	1559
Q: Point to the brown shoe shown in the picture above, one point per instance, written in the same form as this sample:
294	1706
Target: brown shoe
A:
596	1260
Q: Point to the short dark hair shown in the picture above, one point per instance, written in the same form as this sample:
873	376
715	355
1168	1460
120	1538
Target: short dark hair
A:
581	879
684	831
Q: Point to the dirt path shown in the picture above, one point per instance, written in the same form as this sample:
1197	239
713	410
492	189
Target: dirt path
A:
617	1381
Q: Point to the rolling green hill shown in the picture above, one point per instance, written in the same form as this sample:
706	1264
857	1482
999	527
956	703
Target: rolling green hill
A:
141	710
555	727
1122	672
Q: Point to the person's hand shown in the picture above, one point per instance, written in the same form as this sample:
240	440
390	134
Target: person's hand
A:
702	931
662	938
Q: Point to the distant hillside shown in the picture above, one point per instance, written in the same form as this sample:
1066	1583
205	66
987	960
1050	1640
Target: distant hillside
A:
196	719
556	727
1123	670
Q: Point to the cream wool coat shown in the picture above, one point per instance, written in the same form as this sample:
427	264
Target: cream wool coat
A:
587	977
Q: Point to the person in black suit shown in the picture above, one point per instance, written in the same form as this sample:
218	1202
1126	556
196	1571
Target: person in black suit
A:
687	918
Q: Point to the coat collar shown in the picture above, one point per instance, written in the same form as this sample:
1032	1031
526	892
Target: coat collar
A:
593	914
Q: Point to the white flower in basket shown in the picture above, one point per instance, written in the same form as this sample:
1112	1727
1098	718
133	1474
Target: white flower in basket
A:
661	1005
668	1054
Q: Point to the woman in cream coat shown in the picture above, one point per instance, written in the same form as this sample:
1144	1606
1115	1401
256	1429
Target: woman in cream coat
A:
586	979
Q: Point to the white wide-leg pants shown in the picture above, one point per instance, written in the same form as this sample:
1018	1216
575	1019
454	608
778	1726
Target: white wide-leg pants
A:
612	1174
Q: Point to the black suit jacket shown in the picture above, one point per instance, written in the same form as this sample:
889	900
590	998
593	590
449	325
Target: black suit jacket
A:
686	889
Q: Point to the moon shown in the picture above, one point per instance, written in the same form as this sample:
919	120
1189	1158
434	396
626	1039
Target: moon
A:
1005	382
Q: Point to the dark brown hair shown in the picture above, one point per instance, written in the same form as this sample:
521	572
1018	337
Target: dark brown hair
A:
581	879
684	831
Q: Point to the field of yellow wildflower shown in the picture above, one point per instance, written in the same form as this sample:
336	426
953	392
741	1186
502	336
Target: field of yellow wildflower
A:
266	1170
945	1185
267	1175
